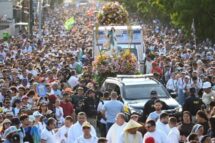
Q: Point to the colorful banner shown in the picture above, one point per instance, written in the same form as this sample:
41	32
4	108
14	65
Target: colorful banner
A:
69	23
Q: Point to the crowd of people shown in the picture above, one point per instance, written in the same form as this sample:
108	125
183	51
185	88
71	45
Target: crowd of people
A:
48	94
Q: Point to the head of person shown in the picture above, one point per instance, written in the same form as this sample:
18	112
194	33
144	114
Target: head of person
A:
68	121
7	102
21	90
158	105
106	95
201	117
193	137
120	119
10	134
51	123
16	122
192	91
17	103
86	127
24	119
154	95
172	122
114	95
187	78
134	116
37	116
57	103
132	127
6	124
150	126
207	87
80	91
102	140
43	107
206	139
91	93
164	118
198	129
186	117
82	117
25	100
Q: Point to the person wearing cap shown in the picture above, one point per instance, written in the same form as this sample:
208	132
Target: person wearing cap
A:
89	107
38	123
149	106
199	130
78	99
87	137
48	134
16	122
5	125
192	103
116	129
131	134
209	94
6	105
75	131
158	135
11	135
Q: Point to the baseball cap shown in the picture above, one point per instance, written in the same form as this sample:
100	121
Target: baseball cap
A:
206	85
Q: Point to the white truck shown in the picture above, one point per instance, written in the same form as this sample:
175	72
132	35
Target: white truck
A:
123	37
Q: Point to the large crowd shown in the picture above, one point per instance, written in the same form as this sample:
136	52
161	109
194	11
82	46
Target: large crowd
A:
48	93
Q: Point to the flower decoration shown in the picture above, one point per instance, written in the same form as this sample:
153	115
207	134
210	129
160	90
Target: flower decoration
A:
113	13
109	66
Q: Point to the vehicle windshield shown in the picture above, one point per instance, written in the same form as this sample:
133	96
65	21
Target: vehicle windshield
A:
135	92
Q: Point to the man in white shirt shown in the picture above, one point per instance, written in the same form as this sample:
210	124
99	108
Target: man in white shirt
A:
62	133
73	80
162	123
159	136
87	137
48	134
75	131
131	133
172	83
116	129
209	94
174	134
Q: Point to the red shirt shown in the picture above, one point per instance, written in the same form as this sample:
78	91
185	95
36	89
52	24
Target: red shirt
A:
157	70
67	108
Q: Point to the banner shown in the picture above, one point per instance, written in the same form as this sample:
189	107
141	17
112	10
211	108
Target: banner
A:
69	23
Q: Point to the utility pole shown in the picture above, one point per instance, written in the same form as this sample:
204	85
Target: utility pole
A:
40	17
31	18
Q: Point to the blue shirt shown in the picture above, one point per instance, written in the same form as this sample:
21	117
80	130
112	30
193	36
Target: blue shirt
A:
112	108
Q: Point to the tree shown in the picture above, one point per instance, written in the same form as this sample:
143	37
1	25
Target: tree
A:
179	13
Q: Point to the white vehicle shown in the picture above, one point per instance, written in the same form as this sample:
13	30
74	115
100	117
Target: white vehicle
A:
116	38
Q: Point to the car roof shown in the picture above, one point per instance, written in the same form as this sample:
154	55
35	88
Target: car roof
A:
135	81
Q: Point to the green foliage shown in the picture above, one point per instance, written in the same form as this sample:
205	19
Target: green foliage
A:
179	13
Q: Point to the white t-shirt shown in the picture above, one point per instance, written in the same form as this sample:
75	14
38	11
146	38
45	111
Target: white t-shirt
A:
61	134
162	127
137	138
73	81
114	132
158	136
174	135
76	131
81	139
48	136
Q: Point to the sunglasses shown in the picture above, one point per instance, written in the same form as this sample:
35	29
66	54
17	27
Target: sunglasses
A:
148	126
86	128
